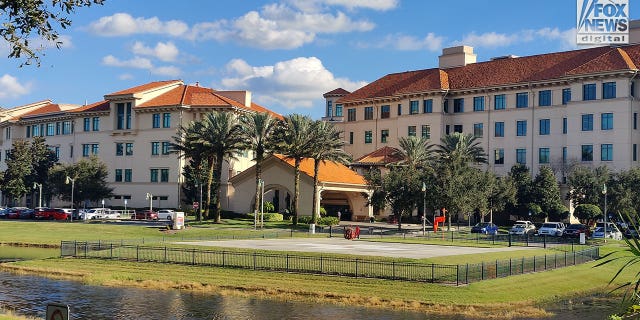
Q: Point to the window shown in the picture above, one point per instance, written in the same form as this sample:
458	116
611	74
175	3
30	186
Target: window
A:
564	125
521	156
51	129
478	103
608	90
166	147
446	129
635	120
522	99
7	133
632	90
94	149
457	128
606	121
426	131
499	129
127	175
566	95
499	156
543	155
564	154
338	110
153	175
351	137
368	113
411	131
458	105
35	130
329	109
446	106
96	123
414	107
635	152
499	102
589	91
123	117
368	136
118	175
57	128
545	127
87	124
166	120
128	151
606	152
90	149
427	106
587	152
351	114
544	98
587	122
119	149
56	150
155	122
384	134
399	109
164	175
28	130
155	148
521	128
478	129
385	111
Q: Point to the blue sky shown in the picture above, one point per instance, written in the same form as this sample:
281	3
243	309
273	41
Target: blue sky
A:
287	53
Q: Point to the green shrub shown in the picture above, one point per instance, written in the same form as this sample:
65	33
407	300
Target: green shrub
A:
269	207
271	216
304	219
323	212
328	221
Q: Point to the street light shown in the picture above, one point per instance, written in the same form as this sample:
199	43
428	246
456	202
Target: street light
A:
38	185
150	198
261	183
604	191
424	207
73	185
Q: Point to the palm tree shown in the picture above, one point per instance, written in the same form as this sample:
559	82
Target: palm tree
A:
460	149
327	144
295	142
257	129
415	152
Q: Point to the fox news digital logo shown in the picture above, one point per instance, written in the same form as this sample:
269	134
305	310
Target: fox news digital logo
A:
603	22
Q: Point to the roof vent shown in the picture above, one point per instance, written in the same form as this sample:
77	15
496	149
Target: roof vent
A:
504	57
456	57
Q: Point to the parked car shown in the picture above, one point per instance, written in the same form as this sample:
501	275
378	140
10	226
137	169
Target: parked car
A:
612	233
3	213
485	228
145	215
522	228
42	213
14	213
554	229
27	214
632	232
575	229
70	212
165	214
96	213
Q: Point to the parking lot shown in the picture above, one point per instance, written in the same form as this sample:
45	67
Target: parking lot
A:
358	247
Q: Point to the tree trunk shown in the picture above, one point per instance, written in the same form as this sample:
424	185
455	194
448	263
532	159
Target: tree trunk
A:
296	192
314	208
207	210
217	177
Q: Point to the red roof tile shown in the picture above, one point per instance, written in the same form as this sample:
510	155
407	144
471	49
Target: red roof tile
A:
94	107
145	87
336	92
329	171
503	72
49	108
382	156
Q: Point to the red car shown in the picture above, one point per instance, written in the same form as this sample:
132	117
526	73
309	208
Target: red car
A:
574	231
51	214
145	215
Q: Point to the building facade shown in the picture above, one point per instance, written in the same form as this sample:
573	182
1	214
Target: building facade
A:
556	109
131	131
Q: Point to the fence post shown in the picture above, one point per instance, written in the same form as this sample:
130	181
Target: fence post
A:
457	274
482	271
510	271
545	241
330	231
75	248
137	253
466	276
193	256
574	258
509	239
534	263
111	251
320	264
254	261
433	273
496	268
356	268
165	253
86	247
393	270
545	261
223	262
287	262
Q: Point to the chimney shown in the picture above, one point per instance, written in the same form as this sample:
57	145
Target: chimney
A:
456	57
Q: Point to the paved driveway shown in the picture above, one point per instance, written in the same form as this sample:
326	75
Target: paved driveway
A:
359	247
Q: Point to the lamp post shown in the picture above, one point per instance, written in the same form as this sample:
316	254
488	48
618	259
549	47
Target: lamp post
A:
424	207
73	185
38	185
150	198
261	182
604	191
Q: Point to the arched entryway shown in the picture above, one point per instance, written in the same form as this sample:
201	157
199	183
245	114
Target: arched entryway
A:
337	201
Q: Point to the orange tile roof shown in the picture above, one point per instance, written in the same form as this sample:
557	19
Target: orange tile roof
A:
503	72
49	108
336	92
94	107
329	171
382	156
145	87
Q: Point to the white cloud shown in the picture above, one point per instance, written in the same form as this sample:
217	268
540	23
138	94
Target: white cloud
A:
125	76
169	71
494	40
295	83
313	5
278	26
165	51
403	42
136	62
11	88
123	24
489	39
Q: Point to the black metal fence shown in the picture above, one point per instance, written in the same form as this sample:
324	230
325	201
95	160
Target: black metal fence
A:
366	268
